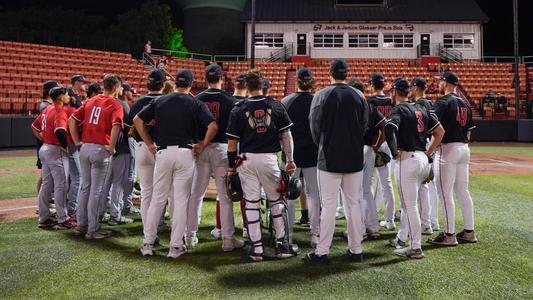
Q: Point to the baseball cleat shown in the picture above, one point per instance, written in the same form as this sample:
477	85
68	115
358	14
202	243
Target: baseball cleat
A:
354	257
443	239
80	231
147	250
314	241
191	241
216	233
97	235
340	215
244	233
132	211
255	256
427	230
469	237
410	253
48	223
119	221
315	259
68	224
231	244
397	243
389	225
284	250
435	226
372	234
175	252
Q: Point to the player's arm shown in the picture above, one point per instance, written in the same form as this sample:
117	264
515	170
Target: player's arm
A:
232	156
140	126
436	137
36	127
381	133
391	131
288	147
113	138
206	118
75	119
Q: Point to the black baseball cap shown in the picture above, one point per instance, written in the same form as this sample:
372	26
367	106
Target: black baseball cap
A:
94	88
57	92
419	82
157	75
401	84
450	77
184	78
241	78
266	84
48	85
77	77
213	72
339	66
377	79
304	74
126	87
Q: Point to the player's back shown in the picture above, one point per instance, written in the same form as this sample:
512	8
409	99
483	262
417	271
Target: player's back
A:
456	118
101	113
382	103
220	104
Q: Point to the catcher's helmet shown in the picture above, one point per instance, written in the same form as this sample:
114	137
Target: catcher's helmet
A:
290	186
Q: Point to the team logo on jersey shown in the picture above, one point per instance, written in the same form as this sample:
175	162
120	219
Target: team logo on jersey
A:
260	120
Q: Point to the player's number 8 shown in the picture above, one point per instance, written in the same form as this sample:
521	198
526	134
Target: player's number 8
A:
95	115
419	118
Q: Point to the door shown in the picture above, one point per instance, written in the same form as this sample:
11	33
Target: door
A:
425	41
301	45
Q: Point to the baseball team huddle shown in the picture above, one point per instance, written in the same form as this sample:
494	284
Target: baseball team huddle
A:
338	150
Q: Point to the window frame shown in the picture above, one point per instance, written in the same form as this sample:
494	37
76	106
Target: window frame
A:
394	40
333	40
269	39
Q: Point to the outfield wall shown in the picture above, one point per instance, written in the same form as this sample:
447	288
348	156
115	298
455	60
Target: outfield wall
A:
16	131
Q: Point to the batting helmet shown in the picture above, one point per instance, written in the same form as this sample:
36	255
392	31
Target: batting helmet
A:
290	186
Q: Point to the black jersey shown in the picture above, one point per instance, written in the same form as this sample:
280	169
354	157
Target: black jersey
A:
298	106
375	120
177	118
123	145
136	108
425	103
456	118
383	104
239	98
257	124
220	104
414	123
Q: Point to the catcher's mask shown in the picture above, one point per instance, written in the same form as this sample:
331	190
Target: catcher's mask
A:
290	186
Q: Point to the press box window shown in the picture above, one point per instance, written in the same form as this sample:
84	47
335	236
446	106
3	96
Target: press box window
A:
328	40
458	41
398	40
363	40
269	40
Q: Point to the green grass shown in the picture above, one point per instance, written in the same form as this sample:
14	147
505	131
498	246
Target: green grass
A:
522	150
17	179
52	264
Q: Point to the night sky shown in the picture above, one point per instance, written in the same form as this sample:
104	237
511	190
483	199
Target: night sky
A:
498	32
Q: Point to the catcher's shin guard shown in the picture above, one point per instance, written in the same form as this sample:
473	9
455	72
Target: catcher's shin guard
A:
280	219
253	224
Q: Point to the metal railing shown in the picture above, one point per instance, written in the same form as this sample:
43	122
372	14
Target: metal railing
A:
229	58
282	54
450	55
528	60
179	54
148	59
498	59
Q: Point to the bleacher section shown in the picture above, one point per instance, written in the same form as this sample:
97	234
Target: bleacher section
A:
24	67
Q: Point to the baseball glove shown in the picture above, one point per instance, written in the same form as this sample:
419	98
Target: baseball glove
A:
429	177
233	185
381	159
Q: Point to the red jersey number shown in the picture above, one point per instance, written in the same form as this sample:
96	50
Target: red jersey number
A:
420	120
95	115
43	123
462	114
214	107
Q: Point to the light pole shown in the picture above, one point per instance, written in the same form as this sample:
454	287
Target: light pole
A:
516	60
252	44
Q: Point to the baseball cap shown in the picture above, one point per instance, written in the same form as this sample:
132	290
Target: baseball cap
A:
126	87
77	77
213	72
57	92
304	74
157	75
339	66
266	84
450	77
401	84
94	88
184	78
48	85
418	82
377	79
241	78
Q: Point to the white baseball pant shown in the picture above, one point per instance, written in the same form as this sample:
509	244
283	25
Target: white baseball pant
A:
213	160
368	202
54	179
451	174
261	170
313	199
411	169
329	185
173	173
385	192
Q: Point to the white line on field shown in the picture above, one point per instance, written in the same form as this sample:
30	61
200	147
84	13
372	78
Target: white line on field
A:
17	208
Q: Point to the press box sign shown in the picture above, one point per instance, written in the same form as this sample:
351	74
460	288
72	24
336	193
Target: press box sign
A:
363	27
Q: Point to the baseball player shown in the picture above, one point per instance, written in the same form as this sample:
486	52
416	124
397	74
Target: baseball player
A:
452	162
51	128
338	120
119	181
213	160
407	130
257	126
178	117
384	106
428	192
101	117
298	106
240	87
73	168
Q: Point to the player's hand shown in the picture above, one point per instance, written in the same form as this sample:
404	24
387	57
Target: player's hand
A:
78	145
198	148
376	149
398	155
290	167
153	148
110	149
232	172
